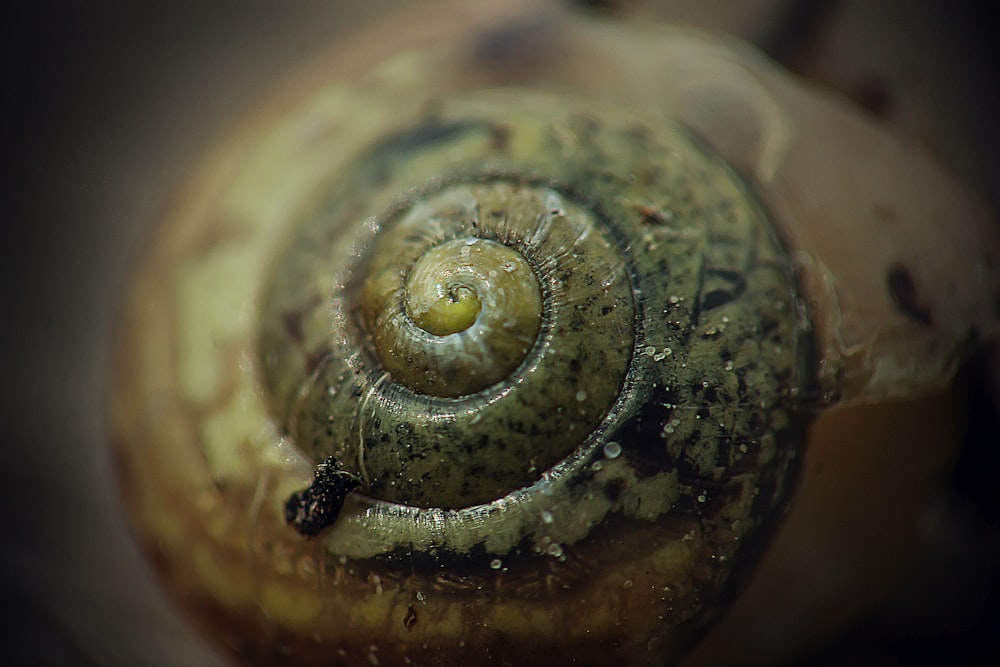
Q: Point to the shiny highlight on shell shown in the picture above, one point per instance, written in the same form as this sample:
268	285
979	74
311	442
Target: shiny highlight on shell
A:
629	413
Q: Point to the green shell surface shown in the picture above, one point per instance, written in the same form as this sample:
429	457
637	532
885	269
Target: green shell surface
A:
604	495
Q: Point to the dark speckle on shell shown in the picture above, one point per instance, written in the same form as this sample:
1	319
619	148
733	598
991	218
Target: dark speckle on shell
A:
906	297
703	363
629	464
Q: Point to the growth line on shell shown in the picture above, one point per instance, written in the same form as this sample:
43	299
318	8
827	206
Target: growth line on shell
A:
257	500
361	427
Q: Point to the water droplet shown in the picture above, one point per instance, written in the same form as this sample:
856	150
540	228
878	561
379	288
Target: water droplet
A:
596	466
554	203
547	516
555	550
581	396
496	564
702	497
627	584
612	450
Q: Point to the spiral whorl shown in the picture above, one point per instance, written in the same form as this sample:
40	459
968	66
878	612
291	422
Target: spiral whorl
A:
478	305
452	318
480	326
547	356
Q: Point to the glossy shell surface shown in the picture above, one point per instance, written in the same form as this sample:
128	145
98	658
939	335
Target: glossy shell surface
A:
247	356
649	431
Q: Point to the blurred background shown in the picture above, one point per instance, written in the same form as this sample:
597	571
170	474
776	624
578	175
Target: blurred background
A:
107	104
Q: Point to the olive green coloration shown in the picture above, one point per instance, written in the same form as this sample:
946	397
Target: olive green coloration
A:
454	421
560	349
345	441
460	316
596	213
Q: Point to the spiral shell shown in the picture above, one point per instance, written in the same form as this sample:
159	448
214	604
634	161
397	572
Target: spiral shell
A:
664	329
651	346
548	356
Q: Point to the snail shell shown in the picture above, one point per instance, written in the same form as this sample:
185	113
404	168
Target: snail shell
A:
559	342
626	287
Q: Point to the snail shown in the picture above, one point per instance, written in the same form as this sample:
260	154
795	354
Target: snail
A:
501	342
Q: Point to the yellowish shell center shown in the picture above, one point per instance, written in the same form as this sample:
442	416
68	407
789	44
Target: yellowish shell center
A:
472	309
443	291
455	309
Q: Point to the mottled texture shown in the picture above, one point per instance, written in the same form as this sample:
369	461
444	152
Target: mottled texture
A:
624	547
122	121
411	446
649	460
